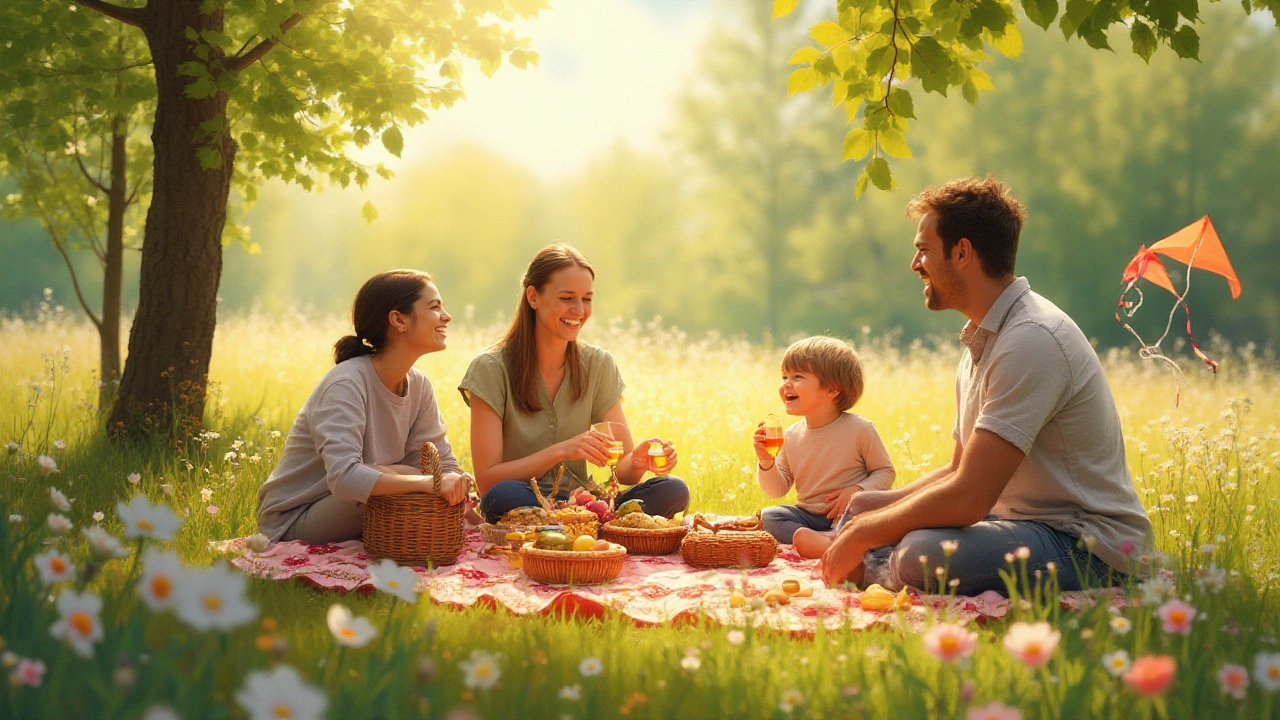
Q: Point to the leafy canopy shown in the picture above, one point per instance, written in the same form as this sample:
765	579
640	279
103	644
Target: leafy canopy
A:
874	48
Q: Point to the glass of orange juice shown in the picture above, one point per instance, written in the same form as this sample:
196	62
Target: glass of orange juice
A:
772	434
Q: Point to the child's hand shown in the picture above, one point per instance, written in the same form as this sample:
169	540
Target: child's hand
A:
838	501
766	460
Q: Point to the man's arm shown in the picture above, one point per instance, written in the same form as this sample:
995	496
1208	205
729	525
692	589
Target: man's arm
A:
939	499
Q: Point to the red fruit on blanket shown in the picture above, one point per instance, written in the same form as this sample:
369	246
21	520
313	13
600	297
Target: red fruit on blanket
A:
601	509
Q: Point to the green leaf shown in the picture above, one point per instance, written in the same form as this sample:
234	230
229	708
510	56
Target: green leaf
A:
248	140
191	34
894	143
857	144
1144	40
878	171
805	56
880	62
1186	43
931	63
518	59
369	212
202	88
361	137
783	8
828	34
21	113
802	80
826	66
208	157
450	69
192	69
861	187
901	103
1041	12
393	141
1010	43
970	92
981	80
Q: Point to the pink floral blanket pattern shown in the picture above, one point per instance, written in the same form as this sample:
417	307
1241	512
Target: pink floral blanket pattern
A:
650	590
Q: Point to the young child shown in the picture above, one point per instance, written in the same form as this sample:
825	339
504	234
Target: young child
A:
829	455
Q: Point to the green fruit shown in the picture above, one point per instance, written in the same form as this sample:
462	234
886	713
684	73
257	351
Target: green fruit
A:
630	506
553	540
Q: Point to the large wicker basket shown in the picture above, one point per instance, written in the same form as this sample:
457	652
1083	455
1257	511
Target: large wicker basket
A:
565	567
639	541
736	543
415	528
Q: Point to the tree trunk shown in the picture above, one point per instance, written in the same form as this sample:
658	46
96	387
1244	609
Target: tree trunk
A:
113	267
163	388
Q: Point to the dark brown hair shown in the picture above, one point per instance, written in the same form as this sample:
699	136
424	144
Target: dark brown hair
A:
519	344
984	211
834	362
380	294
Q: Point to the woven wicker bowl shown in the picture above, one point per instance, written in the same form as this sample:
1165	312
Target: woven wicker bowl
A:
729	548
565	567
639	541
416	528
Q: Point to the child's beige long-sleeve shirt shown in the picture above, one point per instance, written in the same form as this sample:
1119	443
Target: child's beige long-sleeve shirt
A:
845	452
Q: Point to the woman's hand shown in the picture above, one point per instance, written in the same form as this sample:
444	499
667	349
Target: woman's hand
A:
453	487
591	446
642	461
766	460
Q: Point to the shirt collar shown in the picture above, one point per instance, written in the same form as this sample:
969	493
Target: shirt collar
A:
976	338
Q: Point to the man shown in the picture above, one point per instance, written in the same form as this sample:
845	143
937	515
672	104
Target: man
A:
1039	458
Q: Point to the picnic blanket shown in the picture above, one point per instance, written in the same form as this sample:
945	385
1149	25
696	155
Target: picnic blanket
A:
650	590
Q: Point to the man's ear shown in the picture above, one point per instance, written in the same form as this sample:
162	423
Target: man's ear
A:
962	253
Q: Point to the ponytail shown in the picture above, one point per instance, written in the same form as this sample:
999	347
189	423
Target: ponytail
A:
349	347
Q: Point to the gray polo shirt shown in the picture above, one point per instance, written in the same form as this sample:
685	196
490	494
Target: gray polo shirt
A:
1032	378
351	421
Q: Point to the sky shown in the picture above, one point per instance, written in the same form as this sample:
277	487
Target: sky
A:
609	71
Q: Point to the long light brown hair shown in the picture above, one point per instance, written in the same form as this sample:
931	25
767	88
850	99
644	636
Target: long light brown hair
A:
519	344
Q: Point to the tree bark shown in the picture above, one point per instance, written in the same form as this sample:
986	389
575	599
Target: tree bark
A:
163	387
113	267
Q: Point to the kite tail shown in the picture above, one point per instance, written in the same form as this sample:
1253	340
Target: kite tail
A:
1153	352
1213	364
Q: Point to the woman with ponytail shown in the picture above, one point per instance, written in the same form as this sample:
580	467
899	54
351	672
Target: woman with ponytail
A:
535	395
361	430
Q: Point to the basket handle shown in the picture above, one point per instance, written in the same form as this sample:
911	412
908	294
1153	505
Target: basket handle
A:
431	464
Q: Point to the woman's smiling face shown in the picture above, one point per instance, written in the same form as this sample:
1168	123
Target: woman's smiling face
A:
564	303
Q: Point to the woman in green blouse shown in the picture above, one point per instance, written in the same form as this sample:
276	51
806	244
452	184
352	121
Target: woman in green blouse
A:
535	395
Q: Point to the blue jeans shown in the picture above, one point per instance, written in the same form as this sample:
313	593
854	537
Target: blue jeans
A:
979	558
782	521
664	495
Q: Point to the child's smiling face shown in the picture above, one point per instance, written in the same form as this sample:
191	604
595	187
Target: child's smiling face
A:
802	394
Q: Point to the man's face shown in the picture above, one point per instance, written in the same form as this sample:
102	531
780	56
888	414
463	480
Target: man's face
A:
943	286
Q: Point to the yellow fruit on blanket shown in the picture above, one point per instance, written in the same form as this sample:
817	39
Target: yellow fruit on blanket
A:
876	597
736	600
777	597
791	587
583	543
805	592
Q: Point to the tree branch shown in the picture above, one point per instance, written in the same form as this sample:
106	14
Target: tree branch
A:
126	15
244	60
75	282
85	171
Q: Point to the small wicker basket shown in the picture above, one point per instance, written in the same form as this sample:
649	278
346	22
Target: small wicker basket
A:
415	528
639	541
736	543
565	567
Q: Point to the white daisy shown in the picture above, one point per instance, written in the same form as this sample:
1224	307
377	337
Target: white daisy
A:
134	479
1117	663
481	670
15	518
60	502
349	631
736	637
143	520
572	693
47	465
60	444
160	712
1121	625
590	667
78	623
13	447
59	524
791	699
280	693
389	577
103	545
162	574
1266	670
213	599
54	567
690	662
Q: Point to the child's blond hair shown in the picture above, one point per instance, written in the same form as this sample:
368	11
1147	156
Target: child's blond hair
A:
835	363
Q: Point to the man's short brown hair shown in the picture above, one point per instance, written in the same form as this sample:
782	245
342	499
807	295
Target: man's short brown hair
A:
835	363
984	211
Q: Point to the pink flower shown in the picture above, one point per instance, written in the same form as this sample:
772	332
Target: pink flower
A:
1032	643
1127	547
1234	680
966	691
1177	617
28	672
949	642
212	509
994	711
1151	675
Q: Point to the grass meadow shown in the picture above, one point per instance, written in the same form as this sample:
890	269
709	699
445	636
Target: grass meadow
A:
1207	469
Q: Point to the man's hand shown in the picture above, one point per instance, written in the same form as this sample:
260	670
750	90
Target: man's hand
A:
838	500
843	558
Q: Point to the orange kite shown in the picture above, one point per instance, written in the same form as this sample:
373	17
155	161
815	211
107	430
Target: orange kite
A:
1196	245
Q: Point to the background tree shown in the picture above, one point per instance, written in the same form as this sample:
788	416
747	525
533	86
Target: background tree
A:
252	90
873	49
70	139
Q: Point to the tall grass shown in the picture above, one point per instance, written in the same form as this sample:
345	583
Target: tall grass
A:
1205	468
